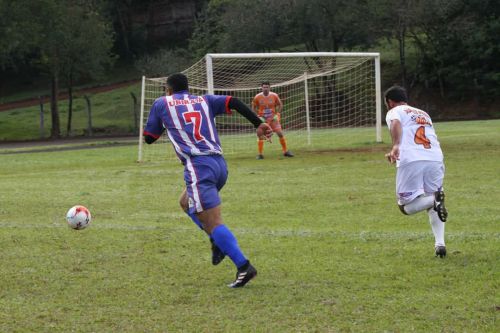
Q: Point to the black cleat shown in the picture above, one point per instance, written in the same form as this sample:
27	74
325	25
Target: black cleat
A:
440	251
243	276
260	157
439	205
288	154
217	254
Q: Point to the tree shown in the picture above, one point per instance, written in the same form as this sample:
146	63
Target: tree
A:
332	25
394	19
209	29
63	38
462	55
255	26
48	14
18	34
86	48
266	25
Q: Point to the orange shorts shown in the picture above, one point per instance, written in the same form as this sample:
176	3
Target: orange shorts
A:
273	121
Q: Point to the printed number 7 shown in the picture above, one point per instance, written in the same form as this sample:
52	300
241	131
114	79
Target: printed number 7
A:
421	139
194	117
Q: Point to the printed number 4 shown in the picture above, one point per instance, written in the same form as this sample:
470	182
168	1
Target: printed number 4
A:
421	139
194	117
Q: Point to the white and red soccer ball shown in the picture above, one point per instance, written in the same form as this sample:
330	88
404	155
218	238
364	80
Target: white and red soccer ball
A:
78	217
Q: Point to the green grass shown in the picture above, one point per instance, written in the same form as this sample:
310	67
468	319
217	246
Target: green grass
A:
333	251
112	113
320	139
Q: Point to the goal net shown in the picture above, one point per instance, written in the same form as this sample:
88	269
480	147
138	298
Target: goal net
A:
330	100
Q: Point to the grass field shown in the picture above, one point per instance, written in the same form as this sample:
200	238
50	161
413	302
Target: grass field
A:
333	251
112	113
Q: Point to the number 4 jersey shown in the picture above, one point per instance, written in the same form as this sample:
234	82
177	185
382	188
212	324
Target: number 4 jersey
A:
419	140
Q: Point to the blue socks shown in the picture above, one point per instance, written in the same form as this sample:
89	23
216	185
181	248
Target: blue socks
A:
198	222
225	240
195	219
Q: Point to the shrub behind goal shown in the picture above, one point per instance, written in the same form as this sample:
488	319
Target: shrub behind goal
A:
330	99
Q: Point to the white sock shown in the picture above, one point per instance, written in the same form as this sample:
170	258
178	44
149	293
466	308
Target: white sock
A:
437	227
419	204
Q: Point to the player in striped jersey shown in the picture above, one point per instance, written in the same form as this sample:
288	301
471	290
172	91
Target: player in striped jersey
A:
190	126
419	161
267	105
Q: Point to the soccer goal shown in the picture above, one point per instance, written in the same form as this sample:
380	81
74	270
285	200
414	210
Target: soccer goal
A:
330	99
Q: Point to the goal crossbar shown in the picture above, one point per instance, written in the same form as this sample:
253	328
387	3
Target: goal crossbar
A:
292	54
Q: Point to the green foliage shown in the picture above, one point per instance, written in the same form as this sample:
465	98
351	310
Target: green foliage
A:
86	45
332	25
333	251
68	38
263	26
76	39
453	44
164	62
12	43
460	57
209	29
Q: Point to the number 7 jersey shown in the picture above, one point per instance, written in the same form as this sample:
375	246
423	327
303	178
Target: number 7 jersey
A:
419	141
189	122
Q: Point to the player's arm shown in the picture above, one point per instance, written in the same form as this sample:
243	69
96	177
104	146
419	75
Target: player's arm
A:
255	107
263	129
149	139
241	108
279	104
396	134
154	126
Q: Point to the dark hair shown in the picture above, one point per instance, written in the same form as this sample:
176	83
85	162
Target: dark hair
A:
178	82
265	83
396	94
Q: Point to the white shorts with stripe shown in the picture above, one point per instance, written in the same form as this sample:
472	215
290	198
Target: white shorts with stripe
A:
417	178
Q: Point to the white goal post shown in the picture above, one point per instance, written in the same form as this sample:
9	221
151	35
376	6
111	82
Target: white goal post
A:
330	99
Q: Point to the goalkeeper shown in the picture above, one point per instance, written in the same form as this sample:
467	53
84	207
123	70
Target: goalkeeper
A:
267	105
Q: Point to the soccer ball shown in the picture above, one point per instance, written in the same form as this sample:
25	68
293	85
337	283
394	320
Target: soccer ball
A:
78	217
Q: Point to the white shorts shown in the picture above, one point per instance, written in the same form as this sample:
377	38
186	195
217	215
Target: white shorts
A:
417	178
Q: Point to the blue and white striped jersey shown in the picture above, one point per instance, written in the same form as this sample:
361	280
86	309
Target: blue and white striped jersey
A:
189	122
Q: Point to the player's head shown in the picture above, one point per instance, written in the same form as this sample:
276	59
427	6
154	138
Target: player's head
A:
266	87
395	95
177	82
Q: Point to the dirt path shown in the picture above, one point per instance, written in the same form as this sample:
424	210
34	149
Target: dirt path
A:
62	96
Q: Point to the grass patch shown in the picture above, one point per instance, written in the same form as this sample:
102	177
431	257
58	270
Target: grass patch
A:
333	251
112	113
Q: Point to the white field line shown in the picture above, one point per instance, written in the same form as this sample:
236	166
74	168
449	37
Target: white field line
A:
362	235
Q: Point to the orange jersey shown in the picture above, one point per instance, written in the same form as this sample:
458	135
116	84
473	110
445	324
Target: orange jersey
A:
266	105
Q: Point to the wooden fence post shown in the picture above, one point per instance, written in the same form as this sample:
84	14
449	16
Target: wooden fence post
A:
134	113
42	134
89	113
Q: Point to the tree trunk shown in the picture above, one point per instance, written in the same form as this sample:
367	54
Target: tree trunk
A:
124	32
55	131
70	103
402	56
41	117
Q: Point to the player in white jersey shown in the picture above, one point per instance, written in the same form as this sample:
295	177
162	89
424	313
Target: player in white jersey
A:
419	161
